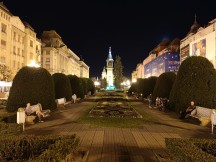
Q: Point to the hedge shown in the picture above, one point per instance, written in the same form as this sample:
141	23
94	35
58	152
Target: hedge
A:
76	86
34	85
37	148
195	81
163	85
62	86
192	150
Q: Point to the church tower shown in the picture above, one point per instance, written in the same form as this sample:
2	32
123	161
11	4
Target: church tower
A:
109	68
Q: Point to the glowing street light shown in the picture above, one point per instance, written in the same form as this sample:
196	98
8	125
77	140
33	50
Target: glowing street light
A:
33	64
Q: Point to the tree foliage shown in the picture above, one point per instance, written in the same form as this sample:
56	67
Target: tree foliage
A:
195	81
5	73
118	72
34	85
62	86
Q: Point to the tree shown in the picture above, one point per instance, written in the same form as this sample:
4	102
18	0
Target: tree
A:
164	85
5	73
62	86
33	85
195	81
148	86
103	83
118	72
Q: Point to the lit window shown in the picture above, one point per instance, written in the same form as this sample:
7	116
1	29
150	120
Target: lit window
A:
14	36
3	44
3	28
14	50
31	43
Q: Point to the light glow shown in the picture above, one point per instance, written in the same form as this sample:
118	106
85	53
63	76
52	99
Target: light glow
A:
33	64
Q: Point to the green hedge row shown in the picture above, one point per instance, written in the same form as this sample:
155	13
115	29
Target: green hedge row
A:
37	148
192	150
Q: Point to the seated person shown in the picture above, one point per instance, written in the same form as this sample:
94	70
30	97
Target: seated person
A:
34	109
157	103
186	113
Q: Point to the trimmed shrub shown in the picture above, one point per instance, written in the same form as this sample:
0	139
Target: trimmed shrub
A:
91	86
192	150
163	85
132	89
62	86
84	85
76	86
148	86
37	148
195	81
34	85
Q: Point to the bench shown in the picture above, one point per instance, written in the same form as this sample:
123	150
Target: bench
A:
60	102
30	118
213	119
203	114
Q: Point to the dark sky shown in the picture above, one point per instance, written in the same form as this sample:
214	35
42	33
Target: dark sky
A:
131	27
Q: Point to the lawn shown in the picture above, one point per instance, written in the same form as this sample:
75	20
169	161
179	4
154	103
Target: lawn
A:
118	122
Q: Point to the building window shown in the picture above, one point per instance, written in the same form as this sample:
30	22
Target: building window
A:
47	59
14	38
3	44
18	65
31	56
14	50
4	28
31	43
2	60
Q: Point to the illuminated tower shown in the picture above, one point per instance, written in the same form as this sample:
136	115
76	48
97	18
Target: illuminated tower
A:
109	69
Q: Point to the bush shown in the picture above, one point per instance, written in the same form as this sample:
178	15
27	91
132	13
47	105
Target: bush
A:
195	81
132	89
91	86
76	86
62	86
10	129
84	85
34	85
163	85
192	150
148	86
36	148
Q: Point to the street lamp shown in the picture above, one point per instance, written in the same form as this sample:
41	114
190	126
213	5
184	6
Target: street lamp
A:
33	64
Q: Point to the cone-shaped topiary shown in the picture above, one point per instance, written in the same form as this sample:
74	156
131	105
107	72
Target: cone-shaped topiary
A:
76	86
84	85
34	85
164	85
195	81
62	86
91	86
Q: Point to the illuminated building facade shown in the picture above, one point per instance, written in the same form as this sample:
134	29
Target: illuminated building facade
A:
19	44
200	41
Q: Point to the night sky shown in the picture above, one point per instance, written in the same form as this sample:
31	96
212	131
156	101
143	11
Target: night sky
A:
131	27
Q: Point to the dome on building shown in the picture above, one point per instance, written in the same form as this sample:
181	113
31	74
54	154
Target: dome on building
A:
194	27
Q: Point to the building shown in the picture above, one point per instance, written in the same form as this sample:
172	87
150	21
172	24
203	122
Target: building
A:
167	60
19	44
58	58
200	41
108	73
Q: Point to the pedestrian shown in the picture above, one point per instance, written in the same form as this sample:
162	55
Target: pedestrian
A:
74	97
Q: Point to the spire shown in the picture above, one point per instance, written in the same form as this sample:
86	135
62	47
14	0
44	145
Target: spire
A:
195	19
110	54
104	69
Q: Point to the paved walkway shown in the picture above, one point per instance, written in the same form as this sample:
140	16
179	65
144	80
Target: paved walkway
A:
121	144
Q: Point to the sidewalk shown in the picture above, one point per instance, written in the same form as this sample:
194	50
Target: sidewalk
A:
121	144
